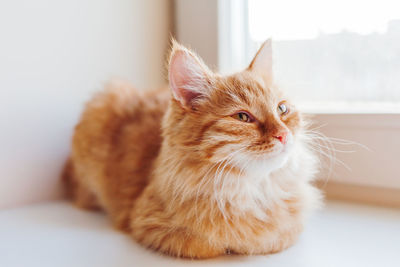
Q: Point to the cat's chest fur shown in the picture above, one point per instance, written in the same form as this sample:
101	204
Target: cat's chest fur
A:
250	219
241	204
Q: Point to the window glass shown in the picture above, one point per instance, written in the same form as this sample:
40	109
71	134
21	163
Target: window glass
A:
332	50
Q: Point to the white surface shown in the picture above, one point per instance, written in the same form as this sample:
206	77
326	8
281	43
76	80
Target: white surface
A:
58	234
53	55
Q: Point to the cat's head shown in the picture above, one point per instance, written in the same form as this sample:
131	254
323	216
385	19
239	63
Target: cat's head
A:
242	118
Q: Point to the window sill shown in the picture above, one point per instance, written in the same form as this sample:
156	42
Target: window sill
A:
367	147
58	234
380	196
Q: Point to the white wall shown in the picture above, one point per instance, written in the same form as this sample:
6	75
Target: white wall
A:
196	26
53	56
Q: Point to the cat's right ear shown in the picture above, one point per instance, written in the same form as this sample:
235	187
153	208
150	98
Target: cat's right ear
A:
262	61
189	78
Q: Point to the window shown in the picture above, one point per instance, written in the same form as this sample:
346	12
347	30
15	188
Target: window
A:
332	51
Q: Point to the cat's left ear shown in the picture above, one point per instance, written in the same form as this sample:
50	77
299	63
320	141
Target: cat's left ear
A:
262	61
189	77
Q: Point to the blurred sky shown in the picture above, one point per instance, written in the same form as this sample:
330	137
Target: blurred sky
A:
298	20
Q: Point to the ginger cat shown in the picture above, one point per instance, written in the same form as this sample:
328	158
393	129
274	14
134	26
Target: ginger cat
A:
214	165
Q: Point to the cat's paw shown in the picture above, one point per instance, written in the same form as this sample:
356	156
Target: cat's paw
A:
285	241
175	242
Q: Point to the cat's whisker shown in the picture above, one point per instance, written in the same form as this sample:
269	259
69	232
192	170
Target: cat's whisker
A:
205	176
326	146
236	181
230	158
217	182
318	127
332	158
334	140
244	167
321	144
328	155
335	149
348	142
204	181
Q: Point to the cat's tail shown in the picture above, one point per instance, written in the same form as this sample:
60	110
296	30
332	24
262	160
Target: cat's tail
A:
76	191
66	178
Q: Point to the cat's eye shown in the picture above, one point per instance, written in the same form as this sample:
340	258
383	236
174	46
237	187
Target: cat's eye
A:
282	109
243	116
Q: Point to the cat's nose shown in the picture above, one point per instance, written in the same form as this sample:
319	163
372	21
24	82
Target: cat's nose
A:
281	136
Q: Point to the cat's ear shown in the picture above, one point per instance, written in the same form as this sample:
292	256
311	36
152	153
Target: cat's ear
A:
189	77
262	61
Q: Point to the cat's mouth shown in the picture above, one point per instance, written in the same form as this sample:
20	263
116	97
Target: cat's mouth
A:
276	151
273	149
271	159
264	161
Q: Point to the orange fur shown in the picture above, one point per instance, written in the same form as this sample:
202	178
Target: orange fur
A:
182	175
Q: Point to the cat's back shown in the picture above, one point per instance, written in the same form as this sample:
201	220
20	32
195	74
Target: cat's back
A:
117	140
120	118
